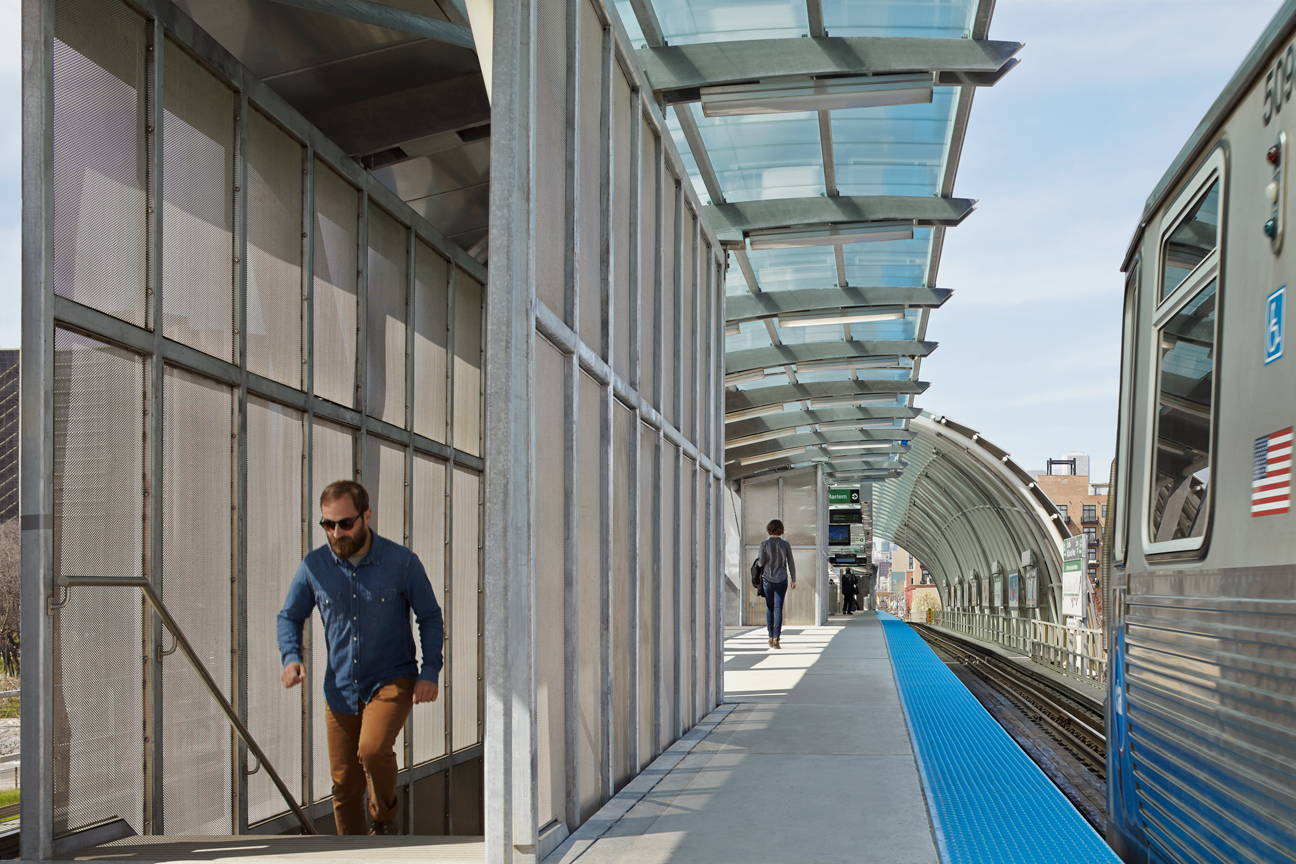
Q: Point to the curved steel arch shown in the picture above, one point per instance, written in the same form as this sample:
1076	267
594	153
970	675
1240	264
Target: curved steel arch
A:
965	495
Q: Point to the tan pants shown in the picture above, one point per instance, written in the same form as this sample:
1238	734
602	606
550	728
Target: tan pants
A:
361	756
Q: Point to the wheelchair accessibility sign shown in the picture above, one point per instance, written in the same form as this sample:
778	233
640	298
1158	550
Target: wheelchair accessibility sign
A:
1274	309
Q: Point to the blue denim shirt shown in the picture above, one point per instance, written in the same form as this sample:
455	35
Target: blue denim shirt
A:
365	611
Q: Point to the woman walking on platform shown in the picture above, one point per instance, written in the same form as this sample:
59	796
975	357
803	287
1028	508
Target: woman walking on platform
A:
778	573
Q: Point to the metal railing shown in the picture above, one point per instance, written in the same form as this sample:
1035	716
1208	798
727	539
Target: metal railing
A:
182	643
1079	652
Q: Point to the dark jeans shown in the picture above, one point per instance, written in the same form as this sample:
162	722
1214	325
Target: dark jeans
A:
774	592
851	604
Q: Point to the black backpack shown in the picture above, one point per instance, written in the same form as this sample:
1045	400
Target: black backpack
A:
756	578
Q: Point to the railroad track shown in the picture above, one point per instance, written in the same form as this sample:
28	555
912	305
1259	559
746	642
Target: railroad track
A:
1065	737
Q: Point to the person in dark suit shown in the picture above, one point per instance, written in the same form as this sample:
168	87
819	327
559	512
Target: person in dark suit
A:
850	592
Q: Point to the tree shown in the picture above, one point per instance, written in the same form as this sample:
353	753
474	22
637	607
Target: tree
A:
10	594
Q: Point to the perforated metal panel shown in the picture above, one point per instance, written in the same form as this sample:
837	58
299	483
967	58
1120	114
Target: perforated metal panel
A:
590	584
801	509
275	441
650	250
386	300
428	543
197	207
623	600
332	458
468	364
99	471
431	342
465	608
100	157
336	214
649	579
688	312
622	158
668	575
550	170
384	480
274	252
589	173
197	566
702	574
550	563
669	296
688	594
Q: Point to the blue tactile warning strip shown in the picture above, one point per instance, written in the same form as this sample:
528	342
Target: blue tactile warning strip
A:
988	801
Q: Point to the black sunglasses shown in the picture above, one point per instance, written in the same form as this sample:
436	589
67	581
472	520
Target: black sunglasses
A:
344	524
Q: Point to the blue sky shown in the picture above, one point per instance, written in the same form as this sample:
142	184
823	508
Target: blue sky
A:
1061	155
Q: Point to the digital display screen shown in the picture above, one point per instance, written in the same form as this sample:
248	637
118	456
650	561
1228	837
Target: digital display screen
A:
839	535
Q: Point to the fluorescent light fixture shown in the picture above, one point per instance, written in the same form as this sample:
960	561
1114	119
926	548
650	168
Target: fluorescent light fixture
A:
864	445
829	234
776	454
744	377
847	315
732	330
856	424
749	413
827	94
757	439
845	365
848	401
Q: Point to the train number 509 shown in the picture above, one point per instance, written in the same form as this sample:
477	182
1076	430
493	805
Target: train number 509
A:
1278	84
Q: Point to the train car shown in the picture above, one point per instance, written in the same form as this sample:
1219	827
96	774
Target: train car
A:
1201	745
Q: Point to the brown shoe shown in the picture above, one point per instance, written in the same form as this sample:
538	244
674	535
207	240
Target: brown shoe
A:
770	640
385	828
776	644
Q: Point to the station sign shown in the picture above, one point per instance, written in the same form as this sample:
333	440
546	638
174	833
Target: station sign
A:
1073	548
842	559
846	516
1072	580
843	496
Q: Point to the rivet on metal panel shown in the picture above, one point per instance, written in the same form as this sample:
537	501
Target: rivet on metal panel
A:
236	189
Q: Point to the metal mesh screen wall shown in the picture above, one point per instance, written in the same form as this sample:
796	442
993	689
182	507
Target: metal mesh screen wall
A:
388	281
649	249
623	315
650	609
668	582
275	441
197	563
274	245
465	609
336	215
99	465
590	216
687	594
431	342
467	364
428	541
590	588
198	206
668	326
623	605
199	466
100	166
550	577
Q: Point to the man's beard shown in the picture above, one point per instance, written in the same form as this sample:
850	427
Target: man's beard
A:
347	547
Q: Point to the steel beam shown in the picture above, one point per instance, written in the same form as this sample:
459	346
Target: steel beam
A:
742	399
805	352
792	419
733	221
678	73
771	304
392	18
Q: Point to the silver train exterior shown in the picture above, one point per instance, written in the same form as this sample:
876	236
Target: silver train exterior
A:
1201	744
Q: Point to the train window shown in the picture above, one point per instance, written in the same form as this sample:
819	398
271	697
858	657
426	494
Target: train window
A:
1192	240
1185	396
1184	335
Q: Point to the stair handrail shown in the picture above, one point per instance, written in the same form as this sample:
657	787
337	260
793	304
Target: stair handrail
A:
182	642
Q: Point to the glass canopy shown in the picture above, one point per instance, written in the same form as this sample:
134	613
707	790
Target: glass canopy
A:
890	150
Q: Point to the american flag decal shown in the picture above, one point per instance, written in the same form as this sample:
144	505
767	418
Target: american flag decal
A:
1271	479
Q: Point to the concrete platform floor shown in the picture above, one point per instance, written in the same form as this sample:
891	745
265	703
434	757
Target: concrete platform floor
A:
809	760
283	850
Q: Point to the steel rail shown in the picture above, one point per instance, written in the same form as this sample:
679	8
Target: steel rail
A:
1029	692
182	642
